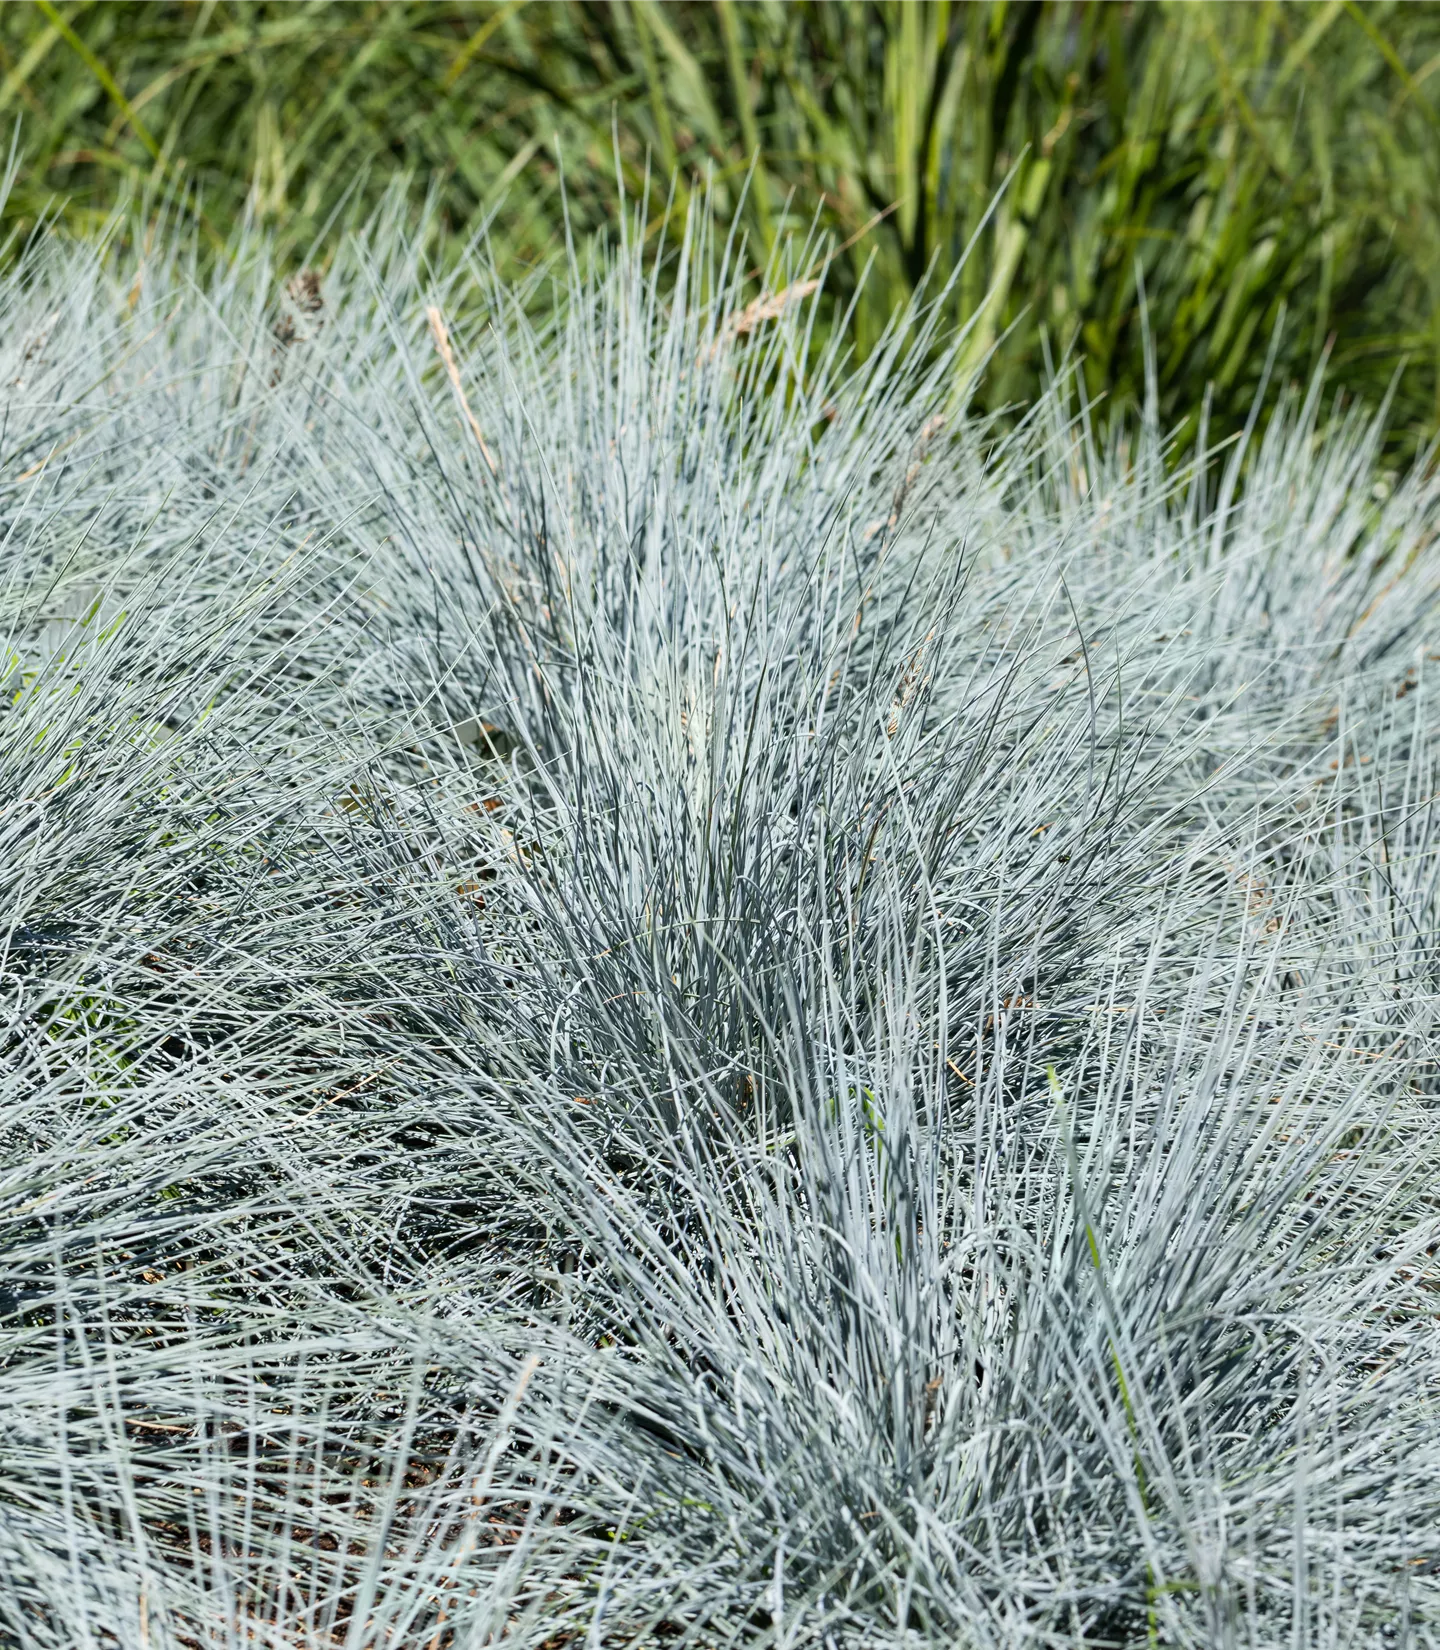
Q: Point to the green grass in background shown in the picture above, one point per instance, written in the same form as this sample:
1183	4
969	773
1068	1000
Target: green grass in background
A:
1248	157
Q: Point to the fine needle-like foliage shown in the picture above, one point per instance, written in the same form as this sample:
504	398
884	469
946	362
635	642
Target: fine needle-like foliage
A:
659	990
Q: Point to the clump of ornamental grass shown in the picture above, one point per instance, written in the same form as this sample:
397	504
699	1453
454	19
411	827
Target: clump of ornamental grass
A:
658	991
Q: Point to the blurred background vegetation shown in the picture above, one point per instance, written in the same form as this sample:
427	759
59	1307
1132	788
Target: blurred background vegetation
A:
1248	157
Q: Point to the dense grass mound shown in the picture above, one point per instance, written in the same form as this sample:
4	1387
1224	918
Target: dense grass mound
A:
649	1000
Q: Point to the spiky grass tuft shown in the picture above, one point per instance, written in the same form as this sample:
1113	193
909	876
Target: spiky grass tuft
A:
656	993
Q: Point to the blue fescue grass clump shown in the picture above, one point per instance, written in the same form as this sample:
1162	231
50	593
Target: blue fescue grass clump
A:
661	994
